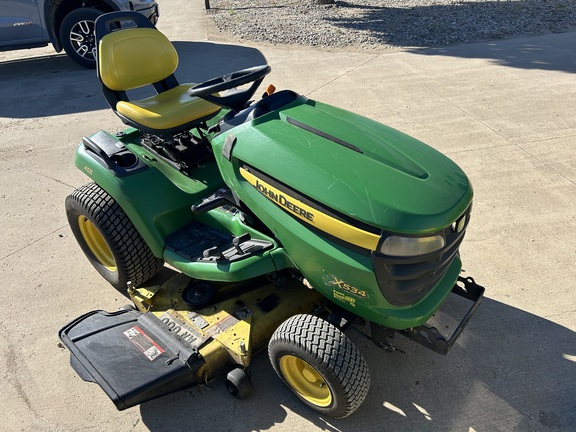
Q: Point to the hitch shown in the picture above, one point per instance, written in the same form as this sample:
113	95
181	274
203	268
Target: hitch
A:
428	335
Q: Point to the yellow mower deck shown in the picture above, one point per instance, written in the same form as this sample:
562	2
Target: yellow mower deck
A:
166	344
229	332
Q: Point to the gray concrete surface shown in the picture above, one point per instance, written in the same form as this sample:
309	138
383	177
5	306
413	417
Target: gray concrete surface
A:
505	111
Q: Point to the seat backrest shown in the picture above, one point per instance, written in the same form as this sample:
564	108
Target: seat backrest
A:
134	57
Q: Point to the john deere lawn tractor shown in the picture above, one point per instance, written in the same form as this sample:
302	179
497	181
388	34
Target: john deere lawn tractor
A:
284	221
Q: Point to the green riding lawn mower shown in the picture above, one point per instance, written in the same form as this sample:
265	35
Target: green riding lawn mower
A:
285	222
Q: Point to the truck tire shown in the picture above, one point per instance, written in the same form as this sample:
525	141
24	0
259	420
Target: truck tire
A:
320	365
77	35
109	239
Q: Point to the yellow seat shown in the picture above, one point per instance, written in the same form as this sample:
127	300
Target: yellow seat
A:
167	110
138	56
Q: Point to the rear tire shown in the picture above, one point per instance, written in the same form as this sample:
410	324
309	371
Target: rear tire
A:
109	239
320	365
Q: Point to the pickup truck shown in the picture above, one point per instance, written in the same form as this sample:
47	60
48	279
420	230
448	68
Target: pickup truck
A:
66	24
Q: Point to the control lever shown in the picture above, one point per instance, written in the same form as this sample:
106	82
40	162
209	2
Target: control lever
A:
213	252
237	241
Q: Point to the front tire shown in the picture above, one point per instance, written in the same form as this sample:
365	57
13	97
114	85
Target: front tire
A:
320	365
109	239
77	36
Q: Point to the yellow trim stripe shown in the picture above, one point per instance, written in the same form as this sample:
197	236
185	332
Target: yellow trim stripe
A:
312	216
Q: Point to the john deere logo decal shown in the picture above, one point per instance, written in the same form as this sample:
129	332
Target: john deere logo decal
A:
282	201
313	216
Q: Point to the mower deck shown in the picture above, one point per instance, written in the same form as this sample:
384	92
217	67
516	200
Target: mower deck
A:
167	345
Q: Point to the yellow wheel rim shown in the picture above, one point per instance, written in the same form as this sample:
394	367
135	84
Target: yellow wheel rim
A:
305	380
96	243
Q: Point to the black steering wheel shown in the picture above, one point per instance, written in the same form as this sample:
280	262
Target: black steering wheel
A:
235	100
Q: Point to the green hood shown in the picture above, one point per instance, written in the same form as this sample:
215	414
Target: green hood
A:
356	166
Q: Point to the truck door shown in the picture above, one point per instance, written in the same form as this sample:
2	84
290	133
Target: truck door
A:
20	24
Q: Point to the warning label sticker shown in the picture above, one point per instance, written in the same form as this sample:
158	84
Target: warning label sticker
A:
228	321
143	342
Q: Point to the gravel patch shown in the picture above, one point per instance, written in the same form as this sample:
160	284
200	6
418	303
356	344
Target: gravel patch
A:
389	23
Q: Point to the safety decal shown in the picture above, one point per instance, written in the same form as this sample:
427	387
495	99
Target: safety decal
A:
143	342
229	321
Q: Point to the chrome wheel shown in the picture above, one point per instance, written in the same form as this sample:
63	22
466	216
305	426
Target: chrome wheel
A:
83	40
77	35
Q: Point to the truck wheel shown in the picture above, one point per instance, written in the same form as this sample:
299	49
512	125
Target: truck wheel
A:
77	35
320	365
109	239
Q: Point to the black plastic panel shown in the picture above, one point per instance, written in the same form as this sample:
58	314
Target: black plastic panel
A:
131	355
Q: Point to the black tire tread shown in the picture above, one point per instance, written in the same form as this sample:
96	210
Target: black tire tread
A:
134	259
332	349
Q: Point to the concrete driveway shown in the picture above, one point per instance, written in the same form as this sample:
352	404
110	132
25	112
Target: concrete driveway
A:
505	111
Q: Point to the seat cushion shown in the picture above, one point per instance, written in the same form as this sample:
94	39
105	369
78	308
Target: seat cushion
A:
168	109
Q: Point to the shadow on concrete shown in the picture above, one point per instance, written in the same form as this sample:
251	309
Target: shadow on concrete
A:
420	27
54	85
507	361
430	25
550	53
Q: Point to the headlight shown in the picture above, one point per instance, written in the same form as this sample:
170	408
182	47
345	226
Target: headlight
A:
459	225
411	246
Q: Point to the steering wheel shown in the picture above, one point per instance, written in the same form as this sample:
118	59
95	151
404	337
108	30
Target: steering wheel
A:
237	99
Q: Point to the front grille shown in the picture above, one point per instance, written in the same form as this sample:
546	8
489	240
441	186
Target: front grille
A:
406	280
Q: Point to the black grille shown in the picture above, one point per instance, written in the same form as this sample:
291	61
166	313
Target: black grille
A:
406	280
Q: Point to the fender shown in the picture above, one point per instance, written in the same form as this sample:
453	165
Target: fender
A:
155	204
